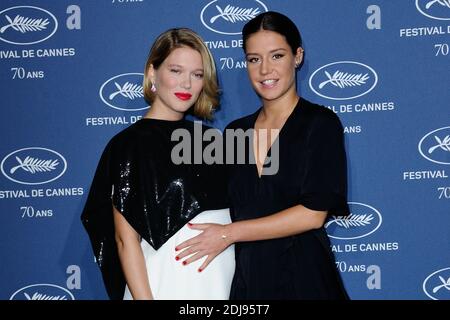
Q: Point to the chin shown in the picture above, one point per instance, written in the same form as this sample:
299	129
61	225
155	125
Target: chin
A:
182	109
269	96
271	93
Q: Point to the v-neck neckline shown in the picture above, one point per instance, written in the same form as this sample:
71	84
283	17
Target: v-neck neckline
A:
269	150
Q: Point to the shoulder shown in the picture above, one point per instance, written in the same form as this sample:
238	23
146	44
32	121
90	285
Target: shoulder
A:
122	144
245	122
319	116
197	127
191	125
126	136
317	111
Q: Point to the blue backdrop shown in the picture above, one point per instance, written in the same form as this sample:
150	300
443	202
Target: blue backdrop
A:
71	77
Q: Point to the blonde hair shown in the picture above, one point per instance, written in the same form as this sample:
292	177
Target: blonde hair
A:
175	38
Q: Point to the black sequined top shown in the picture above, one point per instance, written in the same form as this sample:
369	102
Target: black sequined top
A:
156	196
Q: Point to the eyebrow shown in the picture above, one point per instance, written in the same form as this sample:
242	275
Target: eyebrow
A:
271	51
180	66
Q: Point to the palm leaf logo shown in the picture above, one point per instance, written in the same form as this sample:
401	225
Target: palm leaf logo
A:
41	296
128	90
352	220
342	80
445	284
234	14
444	144
33	165
445	3
23	24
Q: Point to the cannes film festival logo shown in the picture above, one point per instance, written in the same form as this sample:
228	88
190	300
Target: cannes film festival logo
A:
434	9
124	92
343	80
229	16
33	165
437	285
362	221
24	25
42	291
435	146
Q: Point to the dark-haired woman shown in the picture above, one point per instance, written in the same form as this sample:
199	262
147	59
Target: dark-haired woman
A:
282	249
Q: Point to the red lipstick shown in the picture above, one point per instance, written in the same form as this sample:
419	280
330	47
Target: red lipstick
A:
183	95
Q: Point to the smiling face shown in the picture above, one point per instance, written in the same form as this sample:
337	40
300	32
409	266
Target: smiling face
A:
271	65
178	81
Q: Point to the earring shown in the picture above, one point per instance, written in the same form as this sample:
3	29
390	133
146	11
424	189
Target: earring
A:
153	88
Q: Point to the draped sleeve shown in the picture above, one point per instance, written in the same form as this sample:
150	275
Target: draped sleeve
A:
324	185
98	221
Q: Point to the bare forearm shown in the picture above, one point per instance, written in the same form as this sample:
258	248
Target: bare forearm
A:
215	238
133	265
131	258
285	223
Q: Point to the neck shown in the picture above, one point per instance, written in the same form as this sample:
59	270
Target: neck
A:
157	111
280	107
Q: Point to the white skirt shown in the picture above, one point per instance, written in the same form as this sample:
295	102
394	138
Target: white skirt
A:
171	280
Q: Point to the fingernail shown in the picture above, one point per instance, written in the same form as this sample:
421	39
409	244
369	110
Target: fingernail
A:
189	224
184	263
177	258
176	249
200	270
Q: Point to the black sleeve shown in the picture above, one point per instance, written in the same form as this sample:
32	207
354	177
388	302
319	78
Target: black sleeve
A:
324	186
98	220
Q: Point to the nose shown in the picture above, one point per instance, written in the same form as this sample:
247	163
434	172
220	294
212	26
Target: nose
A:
264	67
186	82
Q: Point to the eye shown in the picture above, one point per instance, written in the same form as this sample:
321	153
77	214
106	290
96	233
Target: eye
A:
198	75
177	71
277	56
252	59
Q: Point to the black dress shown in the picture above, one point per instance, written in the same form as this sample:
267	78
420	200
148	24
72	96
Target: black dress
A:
312	172
157	197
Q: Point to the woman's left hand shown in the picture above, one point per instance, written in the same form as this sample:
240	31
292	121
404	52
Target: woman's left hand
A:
210	242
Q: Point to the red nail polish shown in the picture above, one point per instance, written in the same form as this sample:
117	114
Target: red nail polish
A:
177	258
200	270
184	263
190	224
176	249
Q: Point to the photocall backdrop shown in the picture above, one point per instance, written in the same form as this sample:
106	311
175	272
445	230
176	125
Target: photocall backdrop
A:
71	77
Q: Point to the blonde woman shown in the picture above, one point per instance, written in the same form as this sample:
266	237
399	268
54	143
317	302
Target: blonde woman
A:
141	200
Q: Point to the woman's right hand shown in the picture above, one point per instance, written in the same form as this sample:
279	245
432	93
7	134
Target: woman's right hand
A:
213	239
